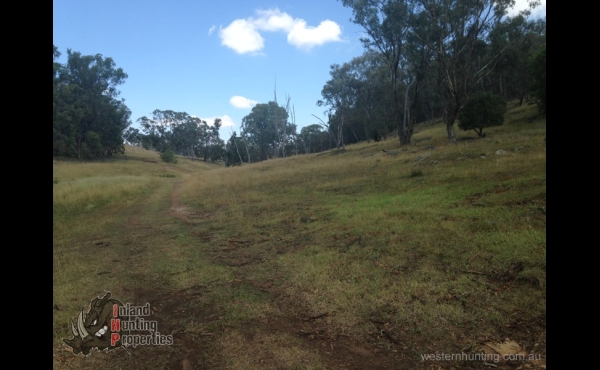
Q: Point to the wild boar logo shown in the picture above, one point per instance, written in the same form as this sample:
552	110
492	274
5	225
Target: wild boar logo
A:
94	329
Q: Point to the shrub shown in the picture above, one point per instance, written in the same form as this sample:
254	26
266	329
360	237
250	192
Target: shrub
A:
482	110
168	156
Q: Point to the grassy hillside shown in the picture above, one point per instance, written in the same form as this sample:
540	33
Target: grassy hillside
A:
345	259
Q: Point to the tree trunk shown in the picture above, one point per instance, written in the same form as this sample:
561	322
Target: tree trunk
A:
247	152
450	113
238	151
356	137
405	129
450	128
399	123
522	96
408	128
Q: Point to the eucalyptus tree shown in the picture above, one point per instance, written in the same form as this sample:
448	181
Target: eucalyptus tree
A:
132	136
308	136
538	71
264	127
158	129
338	95
88	117
189	135
457	32
213	147
515	39
233	152
387	24
184	134
284	130
373	110
439	43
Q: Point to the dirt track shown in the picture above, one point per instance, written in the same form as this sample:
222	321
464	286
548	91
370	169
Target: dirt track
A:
288	337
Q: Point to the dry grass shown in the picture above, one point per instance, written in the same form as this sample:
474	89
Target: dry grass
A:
380	242
436	259
274	352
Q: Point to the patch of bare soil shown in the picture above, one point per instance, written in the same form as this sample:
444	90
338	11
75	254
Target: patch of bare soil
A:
258	344
181	211
178	210
334	349
288	338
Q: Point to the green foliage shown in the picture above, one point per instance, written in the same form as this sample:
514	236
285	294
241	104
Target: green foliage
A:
313	138
387	24
358	98
437	52
184	134
482	110
88	119
132	135
235	151
538	73
264	128
93	144
168	156
514	40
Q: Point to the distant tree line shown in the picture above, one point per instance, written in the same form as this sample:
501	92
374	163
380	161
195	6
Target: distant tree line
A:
88	117
270	131
180	133
424	59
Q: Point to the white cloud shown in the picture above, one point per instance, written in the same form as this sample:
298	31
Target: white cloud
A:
242	35
272	20
211	30
225	121
242	102
307	37
539	11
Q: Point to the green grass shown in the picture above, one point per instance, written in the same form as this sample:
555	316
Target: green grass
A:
437	245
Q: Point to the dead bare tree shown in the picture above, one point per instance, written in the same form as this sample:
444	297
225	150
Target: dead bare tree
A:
246	145
339	141
236	146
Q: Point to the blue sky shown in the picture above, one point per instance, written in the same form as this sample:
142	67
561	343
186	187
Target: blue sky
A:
214	58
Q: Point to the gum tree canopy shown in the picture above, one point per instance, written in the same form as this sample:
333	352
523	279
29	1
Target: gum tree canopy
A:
88	117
